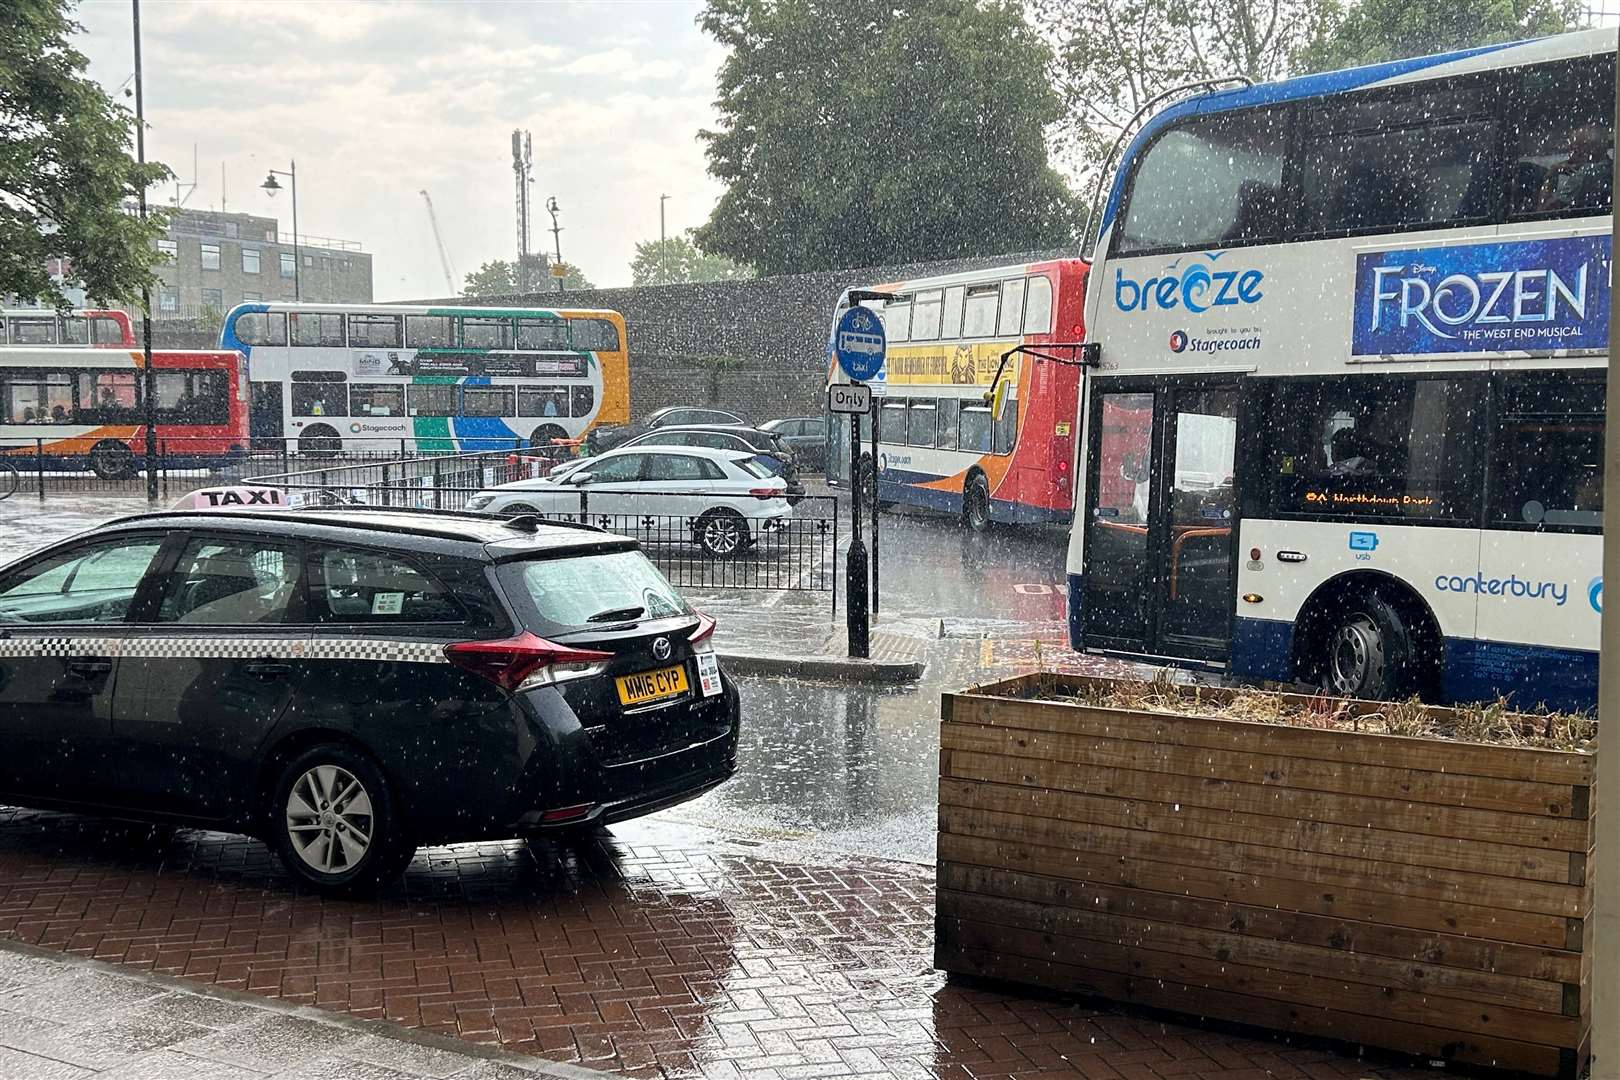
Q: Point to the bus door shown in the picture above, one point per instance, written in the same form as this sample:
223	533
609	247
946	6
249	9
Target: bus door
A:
1160	517
265	410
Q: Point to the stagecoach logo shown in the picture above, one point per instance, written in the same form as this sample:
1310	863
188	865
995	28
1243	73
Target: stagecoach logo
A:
1518	296
1178	341
1197	286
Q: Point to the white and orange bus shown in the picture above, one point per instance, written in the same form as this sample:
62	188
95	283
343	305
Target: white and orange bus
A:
940	445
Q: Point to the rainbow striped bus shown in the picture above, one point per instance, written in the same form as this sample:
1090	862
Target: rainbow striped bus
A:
339	377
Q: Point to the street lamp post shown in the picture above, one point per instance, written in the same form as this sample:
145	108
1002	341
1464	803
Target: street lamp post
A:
271	187
662	199
148	376
556	239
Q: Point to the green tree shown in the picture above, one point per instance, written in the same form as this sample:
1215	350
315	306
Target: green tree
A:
1115	56
861	132
678	260
66	173
1376	30
499	278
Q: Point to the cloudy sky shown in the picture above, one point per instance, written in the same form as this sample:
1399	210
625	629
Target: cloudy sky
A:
377	101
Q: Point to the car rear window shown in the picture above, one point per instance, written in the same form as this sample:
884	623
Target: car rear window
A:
567	592
755	467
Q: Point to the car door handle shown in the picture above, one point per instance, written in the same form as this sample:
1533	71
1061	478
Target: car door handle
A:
268	669
89	666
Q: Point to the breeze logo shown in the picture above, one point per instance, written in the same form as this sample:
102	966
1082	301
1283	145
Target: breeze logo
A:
1516	296
1513	586
1196	287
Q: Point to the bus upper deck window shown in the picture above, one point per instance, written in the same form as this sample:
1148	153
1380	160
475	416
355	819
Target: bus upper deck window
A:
1038	306
594	335
542	334
106	331
486	333
1209	181
1012	308
979	316
311	328
926	315
32	331
75	330
429	332
1563	139
897	320
261	328
374	331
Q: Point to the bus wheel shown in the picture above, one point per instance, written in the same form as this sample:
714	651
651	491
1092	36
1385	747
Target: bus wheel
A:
111	460
321	439
976	504
1368	653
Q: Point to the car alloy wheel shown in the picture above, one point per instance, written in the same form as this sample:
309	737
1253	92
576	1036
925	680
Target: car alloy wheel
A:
329	819
722	533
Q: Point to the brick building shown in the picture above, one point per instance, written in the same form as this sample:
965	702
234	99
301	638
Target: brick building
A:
218	260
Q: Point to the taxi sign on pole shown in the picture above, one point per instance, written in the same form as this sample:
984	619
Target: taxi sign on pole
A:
859	344
849	398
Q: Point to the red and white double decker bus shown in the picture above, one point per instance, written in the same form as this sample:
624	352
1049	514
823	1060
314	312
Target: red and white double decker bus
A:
73	408
34	327
940	443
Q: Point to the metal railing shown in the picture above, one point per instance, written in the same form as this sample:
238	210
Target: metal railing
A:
699	540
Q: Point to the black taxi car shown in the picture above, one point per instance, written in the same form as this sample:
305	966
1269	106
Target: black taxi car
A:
349	683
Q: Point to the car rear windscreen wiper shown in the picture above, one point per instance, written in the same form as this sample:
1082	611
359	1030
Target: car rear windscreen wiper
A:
618	614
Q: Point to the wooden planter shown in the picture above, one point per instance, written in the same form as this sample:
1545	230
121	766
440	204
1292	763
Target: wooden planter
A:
1419	895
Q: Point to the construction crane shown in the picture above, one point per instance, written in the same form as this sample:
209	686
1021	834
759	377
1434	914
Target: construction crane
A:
444	256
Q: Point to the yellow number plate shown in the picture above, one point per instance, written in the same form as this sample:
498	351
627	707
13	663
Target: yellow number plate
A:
645	686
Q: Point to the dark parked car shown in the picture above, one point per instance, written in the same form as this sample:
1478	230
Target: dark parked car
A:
807	435
601	440
770	448
347	684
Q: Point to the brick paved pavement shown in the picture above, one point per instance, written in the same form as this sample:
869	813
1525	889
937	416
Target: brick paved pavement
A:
657	953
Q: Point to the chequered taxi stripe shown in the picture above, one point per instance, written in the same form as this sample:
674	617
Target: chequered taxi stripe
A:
204	647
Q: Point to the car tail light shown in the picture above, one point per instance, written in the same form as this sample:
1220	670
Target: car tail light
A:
525	661
765	493
567	813
702	638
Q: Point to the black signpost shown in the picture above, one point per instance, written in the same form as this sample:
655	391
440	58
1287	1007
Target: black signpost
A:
858	345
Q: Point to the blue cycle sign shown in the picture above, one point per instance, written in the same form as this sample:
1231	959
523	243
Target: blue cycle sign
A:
859	344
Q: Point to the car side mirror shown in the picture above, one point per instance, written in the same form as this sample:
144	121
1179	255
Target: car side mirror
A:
576	478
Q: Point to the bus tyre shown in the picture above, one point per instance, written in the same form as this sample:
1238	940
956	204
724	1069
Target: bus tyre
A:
333	821
1368	652
976	504
111	460
722	533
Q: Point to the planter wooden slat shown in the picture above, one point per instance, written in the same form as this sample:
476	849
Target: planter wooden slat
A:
1255	860
1379	1002
1414	894
1405	1036
1400	815
1376	972
1502	762
1277	924
1278	770
1369	905
1416	849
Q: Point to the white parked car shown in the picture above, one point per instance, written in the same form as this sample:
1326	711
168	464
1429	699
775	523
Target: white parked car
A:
722	500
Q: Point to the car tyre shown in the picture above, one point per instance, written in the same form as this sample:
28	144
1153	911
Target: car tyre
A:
976	504
111	460
333	820
723	533
519	508
1368	652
